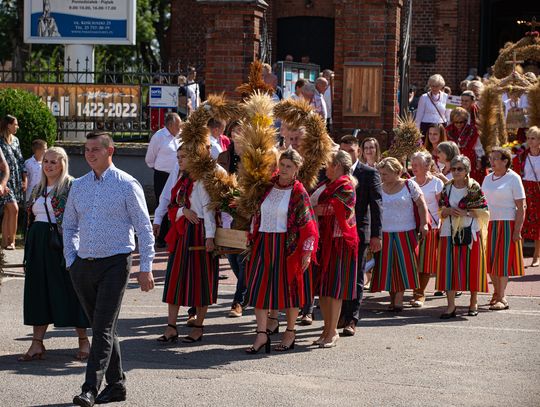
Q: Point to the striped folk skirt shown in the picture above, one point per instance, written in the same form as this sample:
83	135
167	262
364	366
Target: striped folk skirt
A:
395	268
267	278
504	256
192	276
461	268
427	253
338	280
531	226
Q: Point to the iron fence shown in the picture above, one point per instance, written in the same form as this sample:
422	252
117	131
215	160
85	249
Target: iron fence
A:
113	99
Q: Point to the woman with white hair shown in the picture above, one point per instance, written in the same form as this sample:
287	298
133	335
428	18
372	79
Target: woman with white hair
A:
432	105
431	187
49	297
461	260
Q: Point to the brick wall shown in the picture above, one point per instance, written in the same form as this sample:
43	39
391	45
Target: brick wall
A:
453	28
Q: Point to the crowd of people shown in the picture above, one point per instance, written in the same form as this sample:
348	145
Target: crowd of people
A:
372	221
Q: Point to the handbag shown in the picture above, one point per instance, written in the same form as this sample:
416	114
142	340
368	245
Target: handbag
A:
464	236
55	240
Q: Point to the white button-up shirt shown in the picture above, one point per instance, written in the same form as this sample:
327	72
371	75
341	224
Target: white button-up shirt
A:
161	153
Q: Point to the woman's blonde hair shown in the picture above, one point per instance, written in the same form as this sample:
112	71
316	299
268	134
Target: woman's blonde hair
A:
436	80
63	180
534	131
459	112
344	160
392	164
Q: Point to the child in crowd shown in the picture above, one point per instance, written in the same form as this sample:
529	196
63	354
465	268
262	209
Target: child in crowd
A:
33	166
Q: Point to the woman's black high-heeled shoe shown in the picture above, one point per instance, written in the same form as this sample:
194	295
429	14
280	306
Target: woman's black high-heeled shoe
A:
276	329
252	350
171	339
448	315
285	348
190	339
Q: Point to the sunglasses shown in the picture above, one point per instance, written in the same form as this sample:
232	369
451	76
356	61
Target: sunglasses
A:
460	122
457	169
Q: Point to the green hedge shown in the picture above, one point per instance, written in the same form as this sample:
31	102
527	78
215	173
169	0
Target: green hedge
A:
35	119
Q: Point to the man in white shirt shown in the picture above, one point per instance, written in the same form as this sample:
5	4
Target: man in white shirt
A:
318	101
161	156
329	76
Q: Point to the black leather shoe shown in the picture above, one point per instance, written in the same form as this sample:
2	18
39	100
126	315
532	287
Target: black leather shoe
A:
85	399
112	392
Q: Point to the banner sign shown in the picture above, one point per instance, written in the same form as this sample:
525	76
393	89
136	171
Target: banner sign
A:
453	101
79	21
86	102
163	96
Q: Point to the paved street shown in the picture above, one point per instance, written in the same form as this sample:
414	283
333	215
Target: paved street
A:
410	359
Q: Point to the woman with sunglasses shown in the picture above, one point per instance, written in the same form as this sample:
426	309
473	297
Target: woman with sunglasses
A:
506	199
468	141
461	262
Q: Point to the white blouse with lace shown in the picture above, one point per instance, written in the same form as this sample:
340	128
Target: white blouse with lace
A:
199	201
398	209
274	211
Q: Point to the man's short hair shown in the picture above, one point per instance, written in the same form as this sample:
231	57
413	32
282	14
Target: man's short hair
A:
106	139
38	144
349	139
215	123
300	83
170	118
469	93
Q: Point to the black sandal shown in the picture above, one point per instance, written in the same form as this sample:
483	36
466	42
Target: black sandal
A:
171	339
276	329
190	339
252	350
284	348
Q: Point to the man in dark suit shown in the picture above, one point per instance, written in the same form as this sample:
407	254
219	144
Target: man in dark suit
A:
368	210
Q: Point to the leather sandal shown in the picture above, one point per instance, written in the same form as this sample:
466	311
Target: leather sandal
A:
80	355
27	357
172	339
191	339
284	348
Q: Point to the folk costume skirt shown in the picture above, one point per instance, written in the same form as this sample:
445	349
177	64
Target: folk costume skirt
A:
504	256
531	226
192	276
461	268
395	268
49	297
267	275
338	280
427	253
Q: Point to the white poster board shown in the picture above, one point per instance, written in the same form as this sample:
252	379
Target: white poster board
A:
163	96
80	21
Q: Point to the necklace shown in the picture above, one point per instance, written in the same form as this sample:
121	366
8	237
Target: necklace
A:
432	98
535	154
279	185
498	178
391	189
460	140
425	182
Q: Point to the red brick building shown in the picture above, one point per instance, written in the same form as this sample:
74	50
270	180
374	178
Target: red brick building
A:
359	39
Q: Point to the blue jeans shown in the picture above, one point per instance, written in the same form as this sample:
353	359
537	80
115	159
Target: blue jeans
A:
238	265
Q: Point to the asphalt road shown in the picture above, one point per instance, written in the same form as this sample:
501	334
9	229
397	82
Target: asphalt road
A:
413	359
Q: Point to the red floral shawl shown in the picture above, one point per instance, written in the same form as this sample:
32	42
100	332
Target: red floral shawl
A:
340	195
301	226
465	139
519	161
179	198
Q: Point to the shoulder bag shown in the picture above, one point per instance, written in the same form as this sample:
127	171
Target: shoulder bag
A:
55	240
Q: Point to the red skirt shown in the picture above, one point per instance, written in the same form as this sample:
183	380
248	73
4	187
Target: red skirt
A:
395	268
504	256
192	276
267	276
461	268
531	226
427	253
338	280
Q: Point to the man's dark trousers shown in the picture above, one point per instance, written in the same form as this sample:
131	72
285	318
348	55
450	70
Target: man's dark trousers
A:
351	308
100	286
160	179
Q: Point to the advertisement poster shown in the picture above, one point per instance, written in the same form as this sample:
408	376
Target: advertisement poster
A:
453	102
86	102
163	96
80	21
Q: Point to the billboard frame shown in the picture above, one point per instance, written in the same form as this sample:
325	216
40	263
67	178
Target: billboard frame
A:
129	40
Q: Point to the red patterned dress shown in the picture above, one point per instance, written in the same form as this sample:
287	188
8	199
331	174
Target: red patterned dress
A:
528	167
468	141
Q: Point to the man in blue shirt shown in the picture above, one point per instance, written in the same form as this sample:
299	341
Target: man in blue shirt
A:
104	210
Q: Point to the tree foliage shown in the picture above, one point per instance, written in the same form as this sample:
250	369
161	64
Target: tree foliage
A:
34	117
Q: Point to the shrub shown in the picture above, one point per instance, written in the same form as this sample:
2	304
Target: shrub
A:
35	119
